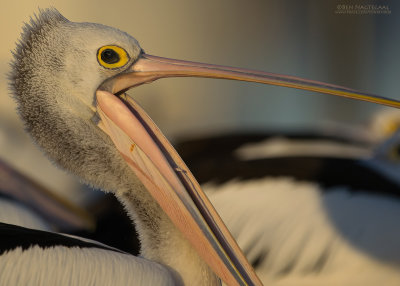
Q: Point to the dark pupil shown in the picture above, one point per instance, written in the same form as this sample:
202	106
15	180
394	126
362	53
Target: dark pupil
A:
109	56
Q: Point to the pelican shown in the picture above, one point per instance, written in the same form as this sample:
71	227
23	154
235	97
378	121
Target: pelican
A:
68	80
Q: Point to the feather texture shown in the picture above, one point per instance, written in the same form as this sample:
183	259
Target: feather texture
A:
294	234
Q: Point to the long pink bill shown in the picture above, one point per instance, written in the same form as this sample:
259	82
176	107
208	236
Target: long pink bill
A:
149	68
156	163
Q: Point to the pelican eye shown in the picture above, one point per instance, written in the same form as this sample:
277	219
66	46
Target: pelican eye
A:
109	56
112	57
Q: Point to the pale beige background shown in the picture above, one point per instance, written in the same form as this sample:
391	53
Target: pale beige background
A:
304	38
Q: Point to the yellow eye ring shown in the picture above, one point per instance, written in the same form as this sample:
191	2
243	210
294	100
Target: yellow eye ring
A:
112	57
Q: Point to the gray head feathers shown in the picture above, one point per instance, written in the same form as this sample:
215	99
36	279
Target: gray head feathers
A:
35	30
36	48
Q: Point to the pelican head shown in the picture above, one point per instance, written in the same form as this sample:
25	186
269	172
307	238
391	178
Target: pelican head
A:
57	68
69	80
56	55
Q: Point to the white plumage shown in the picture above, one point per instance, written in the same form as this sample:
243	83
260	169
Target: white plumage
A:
66	266
292	232
298	235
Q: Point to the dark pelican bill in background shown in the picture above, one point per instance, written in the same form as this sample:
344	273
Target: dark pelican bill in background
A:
161	170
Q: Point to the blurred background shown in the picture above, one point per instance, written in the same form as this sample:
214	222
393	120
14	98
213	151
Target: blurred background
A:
302	38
